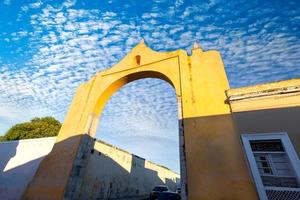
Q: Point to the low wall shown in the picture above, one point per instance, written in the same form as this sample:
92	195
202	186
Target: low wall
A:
113	173
110	173
19	161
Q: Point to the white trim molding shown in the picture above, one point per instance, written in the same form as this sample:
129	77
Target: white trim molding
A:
289	150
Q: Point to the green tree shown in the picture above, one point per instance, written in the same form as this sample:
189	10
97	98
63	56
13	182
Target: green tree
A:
36	128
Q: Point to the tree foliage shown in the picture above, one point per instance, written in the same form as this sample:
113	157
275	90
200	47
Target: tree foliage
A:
36	128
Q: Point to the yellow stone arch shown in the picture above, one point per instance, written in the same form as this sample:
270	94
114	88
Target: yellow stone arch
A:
210	154
105	83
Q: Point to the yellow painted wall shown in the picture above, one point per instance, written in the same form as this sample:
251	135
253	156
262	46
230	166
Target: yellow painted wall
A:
214	155
212	150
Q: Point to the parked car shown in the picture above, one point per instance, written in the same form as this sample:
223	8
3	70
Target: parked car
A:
162	192
178	190
156	190
168	196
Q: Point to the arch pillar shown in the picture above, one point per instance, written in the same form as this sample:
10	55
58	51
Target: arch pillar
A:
210	152
92	124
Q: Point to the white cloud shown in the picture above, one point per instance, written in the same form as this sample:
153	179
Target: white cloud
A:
36	5
7	2
178	3
68	44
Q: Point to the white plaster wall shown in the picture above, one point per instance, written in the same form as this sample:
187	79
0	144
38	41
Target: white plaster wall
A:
19	161
116	174
111	172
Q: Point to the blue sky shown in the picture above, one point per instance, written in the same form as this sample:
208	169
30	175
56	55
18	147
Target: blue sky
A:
47	48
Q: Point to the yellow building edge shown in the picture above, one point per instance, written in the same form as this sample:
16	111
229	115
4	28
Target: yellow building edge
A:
271	95
266	89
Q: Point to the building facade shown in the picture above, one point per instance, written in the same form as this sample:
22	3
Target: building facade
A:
243	142
267	118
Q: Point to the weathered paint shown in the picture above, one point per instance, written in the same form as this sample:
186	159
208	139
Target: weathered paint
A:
113	173
281	94
268	108
108	165
213	152
200	83
19	161
79	168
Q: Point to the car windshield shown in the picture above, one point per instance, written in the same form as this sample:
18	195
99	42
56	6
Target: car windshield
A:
160	188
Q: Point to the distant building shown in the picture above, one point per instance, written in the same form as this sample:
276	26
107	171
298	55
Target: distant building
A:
111	172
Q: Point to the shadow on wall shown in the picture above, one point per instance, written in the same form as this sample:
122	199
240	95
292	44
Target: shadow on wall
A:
14	179
94	175
128	178
173	184
8	150
212	155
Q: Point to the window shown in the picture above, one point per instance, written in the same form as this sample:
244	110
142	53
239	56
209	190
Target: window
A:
274	165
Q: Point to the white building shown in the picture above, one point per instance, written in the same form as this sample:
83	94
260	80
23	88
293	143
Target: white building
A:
113	170
19	161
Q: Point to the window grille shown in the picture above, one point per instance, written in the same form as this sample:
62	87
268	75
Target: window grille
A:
274	165
282	193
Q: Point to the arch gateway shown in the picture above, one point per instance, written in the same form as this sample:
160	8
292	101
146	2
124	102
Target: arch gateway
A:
212	160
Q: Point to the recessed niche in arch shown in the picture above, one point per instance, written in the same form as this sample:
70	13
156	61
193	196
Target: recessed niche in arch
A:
138	59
